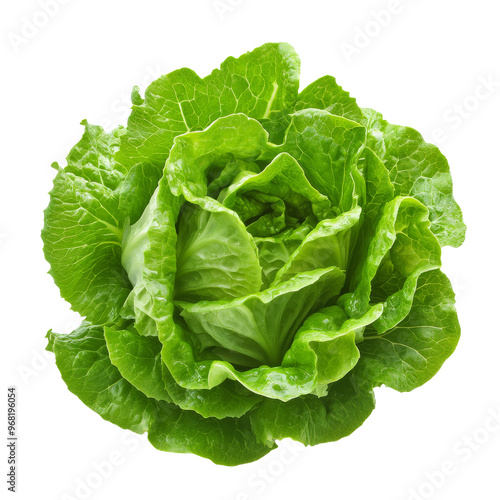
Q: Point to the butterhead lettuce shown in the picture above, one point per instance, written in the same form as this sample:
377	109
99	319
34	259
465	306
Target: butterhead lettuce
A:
250	261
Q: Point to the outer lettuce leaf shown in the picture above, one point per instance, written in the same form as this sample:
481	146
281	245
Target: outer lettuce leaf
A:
138	360
83	228
85	366
418	169
410	354
312	420
229	441
326	94
92	158
263	84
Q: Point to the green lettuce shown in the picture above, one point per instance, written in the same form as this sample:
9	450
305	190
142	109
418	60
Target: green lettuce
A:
250	261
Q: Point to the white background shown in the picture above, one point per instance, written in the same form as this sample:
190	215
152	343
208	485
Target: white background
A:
419	65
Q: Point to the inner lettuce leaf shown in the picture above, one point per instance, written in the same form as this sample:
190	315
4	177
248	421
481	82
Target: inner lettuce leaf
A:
250	262
401	244
216	257
281	187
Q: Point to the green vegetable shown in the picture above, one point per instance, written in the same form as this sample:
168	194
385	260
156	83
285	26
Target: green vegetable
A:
250	261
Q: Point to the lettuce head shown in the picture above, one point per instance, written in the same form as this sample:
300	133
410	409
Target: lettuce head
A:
250	261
